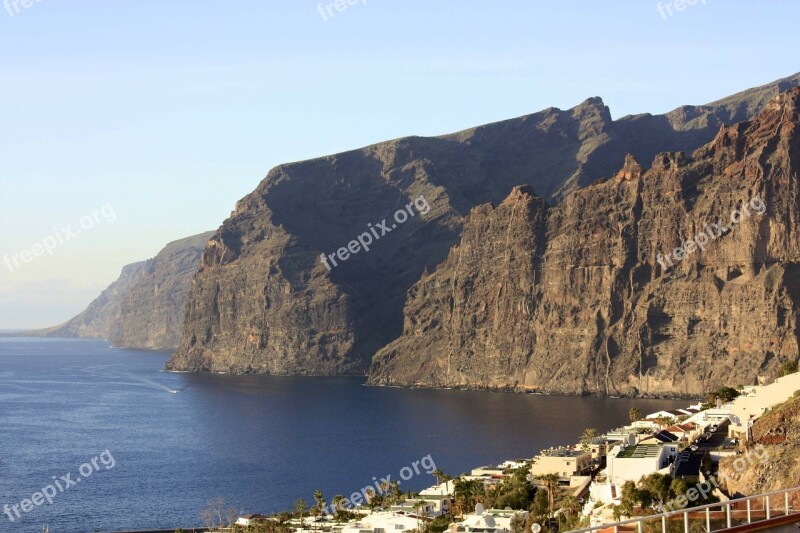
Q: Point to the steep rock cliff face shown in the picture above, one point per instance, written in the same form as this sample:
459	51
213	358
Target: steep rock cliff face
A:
581	298
144	307
263	302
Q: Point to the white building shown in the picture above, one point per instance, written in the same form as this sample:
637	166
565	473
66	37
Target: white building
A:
445	489
429	506
488	521
564	462
251	520
383	522
631	463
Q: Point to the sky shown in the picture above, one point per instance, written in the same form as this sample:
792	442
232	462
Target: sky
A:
127	124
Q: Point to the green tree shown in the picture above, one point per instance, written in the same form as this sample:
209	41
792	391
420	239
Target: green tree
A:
396	495
726	394
339	512
550	482
440	476
541	506
514	491
319	507
571	506
419	508
629	499
300	509
654	488
467	494
518	523
634	414
589	434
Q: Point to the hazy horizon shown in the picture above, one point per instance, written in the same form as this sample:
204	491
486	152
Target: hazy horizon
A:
167	114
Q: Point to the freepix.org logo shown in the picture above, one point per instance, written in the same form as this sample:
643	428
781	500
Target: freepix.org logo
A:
59	485
374	233
14	7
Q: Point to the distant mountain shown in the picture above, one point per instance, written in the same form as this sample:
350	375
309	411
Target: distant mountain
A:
263	302
590	296
144	307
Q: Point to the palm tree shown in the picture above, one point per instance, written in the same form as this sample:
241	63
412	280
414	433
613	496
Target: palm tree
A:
419	506
461	494
394	487
587	436
441	476
300	510
337	506
665	421
319	507
634	414
550	482
571	506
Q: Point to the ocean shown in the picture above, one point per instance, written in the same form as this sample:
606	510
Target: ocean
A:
152	448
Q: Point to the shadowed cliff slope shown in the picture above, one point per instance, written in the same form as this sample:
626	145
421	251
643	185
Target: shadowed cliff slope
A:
263	302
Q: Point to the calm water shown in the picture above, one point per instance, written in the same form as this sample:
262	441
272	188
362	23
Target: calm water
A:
258	442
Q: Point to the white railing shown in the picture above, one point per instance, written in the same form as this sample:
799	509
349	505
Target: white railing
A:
712	517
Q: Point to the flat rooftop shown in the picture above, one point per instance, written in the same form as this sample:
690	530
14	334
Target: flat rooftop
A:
640	451
563	452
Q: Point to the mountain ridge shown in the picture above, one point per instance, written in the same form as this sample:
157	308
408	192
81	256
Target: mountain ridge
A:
261	302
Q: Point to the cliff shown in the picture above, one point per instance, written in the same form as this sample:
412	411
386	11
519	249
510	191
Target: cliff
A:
778	464
584	298
263	302
144	307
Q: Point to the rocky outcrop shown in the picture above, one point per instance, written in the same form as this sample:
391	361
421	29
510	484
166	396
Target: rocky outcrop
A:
144	307
263	302
772	460
584	298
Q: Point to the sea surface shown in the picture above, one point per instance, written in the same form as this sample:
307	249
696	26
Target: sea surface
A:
258	442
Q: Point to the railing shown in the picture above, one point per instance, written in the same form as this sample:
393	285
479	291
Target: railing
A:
711	517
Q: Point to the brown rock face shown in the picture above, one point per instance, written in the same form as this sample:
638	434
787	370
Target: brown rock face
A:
263	302
144	307
581	297
773	461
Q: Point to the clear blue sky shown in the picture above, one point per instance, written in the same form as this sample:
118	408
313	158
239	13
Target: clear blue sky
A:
171	110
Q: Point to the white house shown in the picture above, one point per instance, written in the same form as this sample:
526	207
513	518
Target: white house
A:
251	519
631	463
488	521
674	414
430	506
445	489
382	522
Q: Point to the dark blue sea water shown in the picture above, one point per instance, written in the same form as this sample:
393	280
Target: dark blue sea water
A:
258	442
